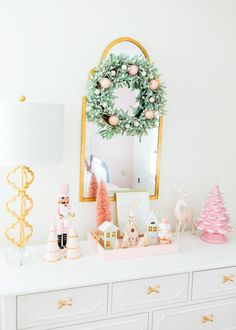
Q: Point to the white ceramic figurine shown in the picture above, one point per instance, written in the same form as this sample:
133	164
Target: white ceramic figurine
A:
183	213
164	232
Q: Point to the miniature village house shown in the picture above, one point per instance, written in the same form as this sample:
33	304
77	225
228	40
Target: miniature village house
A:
108	234
133	233
152	230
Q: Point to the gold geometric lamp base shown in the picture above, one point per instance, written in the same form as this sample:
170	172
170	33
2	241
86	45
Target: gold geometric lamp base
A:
30	133
19	206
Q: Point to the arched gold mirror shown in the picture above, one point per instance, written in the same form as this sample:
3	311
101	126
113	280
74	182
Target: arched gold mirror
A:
125	163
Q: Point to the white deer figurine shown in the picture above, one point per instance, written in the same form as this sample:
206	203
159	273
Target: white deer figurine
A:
183	214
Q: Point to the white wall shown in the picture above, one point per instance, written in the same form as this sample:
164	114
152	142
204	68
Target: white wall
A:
47	49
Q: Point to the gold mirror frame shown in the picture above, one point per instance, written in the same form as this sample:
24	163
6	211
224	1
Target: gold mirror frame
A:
83	128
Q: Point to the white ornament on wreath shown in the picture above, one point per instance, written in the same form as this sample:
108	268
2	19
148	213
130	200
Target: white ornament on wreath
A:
124	67
152	99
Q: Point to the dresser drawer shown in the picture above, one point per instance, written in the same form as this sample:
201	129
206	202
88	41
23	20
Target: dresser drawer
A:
214	316
139	294
135	322
214	283
64	305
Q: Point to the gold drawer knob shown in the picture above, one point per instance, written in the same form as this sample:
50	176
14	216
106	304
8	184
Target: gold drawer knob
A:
64	302
228	278
208	318
153	289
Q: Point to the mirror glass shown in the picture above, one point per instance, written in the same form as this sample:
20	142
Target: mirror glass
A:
123	162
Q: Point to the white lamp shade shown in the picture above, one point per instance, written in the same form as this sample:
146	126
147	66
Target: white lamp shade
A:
30	133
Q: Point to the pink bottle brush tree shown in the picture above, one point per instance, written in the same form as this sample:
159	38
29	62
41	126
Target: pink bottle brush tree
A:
103	205
214	220
93	186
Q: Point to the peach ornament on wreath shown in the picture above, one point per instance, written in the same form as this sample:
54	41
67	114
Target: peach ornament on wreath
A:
113	120
149	114
133	70
105	83
154	84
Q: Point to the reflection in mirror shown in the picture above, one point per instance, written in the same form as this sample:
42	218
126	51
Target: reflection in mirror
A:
123	162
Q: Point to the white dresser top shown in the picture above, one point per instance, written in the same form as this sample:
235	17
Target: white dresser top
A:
41	276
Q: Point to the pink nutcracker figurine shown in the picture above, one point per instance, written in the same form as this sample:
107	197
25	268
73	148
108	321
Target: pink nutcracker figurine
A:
63	215
164	232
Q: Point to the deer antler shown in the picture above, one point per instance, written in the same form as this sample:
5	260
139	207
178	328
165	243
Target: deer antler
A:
185	193
181	191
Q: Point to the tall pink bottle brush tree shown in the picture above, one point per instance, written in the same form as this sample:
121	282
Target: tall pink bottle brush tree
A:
214	220
103	206
93	186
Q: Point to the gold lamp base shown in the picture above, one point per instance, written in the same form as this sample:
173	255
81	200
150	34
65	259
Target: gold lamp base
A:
20	231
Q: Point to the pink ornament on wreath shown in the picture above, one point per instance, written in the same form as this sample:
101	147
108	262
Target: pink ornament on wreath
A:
105	83
113	120
154	84
149	114
133	70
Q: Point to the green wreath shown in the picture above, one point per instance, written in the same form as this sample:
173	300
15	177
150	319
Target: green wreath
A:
136	73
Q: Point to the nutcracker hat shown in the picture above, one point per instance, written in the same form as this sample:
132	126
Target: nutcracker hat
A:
64	190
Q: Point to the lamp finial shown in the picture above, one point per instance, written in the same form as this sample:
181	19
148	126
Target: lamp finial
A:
22	98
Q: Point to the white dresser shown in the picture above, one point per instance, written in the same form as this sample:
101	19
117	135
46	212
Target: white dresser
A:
194	289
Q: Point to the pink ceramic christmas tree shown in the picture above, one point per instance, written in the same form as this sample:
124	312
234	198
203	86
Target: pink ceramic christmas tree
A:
93	186
103	207
214	220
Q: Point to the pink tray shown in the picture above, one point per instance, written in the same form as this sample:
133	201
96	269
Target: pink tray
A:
151	250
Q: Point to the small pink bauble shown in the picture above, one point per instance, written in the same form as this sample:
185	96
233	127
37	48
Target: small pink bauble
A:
113	120
133	70
149	114
105	83
153	84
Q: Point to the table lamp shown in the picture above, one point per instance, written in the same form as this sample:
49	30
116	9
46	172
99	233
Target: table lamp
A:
30	134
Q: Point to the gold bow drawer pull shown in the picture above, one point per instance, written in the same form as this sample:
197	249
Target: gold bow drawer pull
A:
153	289
207	318
228	278
64	302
